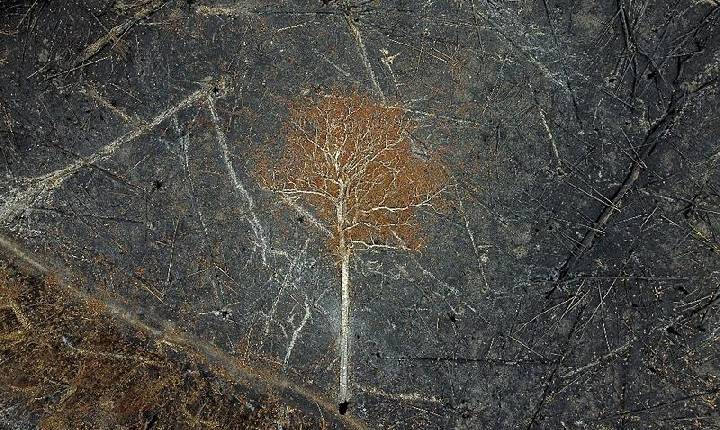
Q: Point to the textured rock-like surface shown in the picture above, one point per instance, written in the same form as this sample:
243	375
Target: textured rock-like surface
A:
573	283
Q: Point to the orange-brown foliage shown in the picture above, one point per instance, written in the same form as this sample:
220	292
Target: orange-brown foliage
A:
351	158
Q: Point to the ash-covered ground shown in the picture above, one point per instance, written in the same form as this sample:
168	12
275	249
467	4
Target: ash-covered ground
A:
572	282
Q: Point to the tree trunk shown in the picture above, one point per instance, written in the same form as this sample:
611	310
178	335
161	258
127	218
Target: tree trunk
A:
345	329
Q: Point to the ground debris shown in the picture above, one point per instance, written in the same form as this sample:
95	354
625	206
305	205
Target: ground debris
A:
65	362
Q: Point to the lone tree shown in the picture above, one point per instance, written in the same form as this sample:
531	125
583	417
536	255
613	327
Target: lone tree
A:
350	158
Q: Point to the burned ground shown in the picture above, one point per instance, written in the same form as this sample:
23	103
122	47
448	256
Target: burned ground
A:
572	282
69	362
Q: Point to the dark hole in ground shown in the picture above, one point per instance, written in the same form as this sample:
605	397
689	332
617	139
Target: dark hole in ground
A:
672	330
151	420
343	407
8	321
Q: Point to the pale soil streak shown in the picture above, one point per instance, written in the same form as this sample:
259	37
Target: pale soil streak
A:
257	228
305	213
116	32
286	281
39	187
296	334
244	8
93	93
362	50
405	397
166	332
476	248
551	138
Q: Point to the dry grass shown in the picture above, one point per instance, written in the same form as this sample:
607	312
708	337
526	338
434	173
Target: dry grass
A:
70	364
